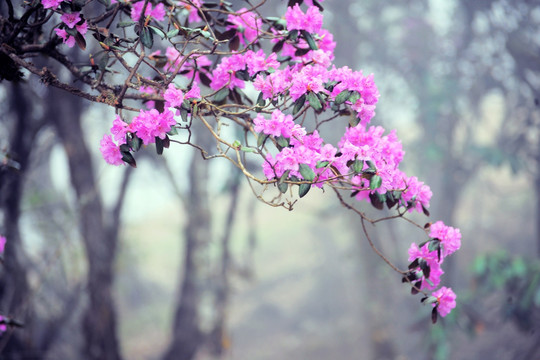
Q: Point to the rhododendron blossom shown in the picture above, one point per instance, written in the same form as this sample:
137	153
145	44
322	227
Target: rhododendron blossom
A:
450	237
311	21
2	243
446	300
158	12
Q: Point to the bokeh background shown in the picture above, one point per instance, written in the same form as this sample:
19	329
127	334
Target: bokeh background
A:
191	249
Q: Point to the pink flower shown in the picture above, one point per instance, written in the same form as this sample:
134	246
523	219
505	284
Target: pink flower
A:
450	237
119	130
71	19
83	28
248	24
193	11
432	261
157	13
110	151
68	39
3	327
173	96
446	300
311	21
50	4
151	124
257	61
2	243
194	93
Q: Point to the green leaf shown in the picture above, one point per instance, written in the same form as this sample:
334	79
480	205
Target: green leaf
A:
342	97
312	44
307	172
303	189
242	75
434	245
353	121
299	104
375	182
129	159
293	35
236	144
261	139
158	31
371	166
159	146
355	95
184	114
283	142
134	142
206	34
314	101
282	185
357	166
147	38
321	164
173	131
377	200
172	33
248	149
123	24
221	95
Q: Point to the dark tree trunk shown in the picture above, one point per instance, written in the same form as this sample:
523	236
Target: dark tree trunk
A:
186	334
14	289
99	322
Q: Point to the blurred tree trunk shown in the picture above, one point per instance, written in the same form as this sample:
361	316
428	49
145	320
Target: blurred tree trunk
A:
14	287
99	319
187	336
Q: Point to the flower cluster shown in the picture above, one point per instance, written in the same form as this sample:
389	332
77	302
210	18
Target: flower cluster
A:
147	126
248	24
2	244
158	12
425	268
296	81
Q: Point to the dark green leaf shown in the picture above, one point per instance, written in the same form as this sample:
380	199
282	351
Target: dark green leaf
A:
221	95
299	103
312	44
355	95
424	210
242	75
278	46
371	165
81	42
173	131
234	44
357	166
184	114
293	35
147	38
129	159
123	24
157	31
159	146
303	189
282	185
301	52
134	142
307	172
414	264
376	201
342	97
314	101
434	245
434	315
415	287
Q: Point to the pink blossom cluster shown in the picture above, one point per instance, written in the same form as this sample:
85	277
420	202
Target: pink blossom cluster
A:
50	4
310	21
192	10
449	237
147	126
444	240
72	21
2	243
253	62
158	12
248	24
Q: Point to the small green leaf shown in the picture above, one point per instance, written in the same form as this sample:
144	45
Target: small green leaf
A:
206	34
236	144
129	159
371	166
303	189
123	24
242	75
314	101
357	166
221	95
248	149
307	172
261	139
172	33
134	141
354	121
353	98
147	38
158	31
321	164
342	97
184	114
159	146
312	44
173	131
283	142
282	185
434	245
293	35
299	104
375	182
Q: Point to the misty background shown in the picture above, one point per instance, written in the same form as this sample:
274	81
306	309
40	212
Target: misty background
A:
187	264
